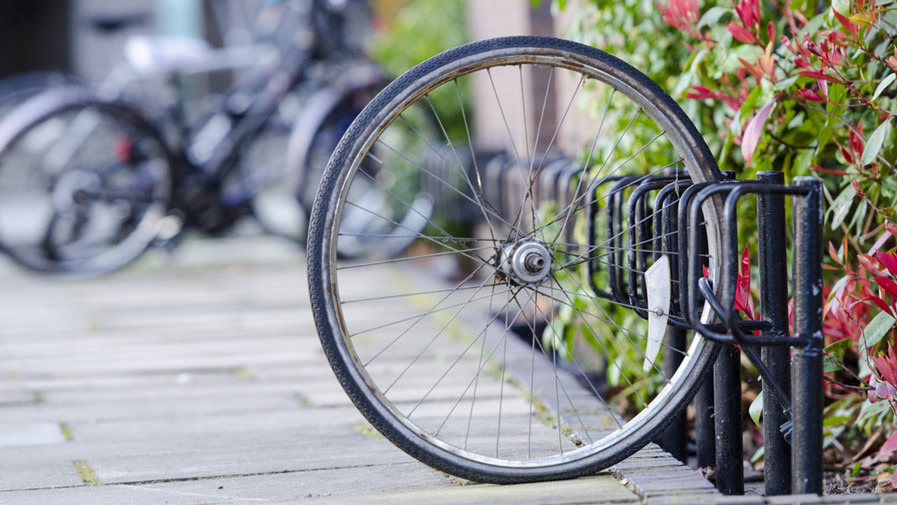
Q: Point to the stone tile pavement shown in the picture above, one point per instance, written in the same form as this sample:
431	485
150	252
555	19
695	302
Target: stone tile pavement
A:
197	378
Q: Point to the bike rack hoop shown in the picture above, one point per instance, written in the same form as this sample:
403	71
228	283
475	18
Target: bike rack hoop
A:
722	301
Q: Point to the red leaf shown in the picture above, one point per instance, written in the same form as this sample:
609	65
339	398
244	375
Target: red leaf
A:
888	285
785	41
771	31
813	47
856	187
833	253
827	170
791	313
814	74
754	131
744	301
809	94
892	228
756	72
889	261
871	264
700	93
847	156
880	303
856	142
801	62
888	369
845	22
741	33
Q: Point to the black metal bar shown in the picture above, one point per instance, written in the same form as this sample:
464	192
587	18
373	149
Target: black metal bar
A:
675	437
723	302
806	374
705	431
774	308
705	434
727	421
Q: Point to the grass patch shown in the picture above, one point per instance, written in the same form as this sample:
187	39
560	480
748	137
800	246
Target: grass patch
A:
303	400
66	432
366	429
88	476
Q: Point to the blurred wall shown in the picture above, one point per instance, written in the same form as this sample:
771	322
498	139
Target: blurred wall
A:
95	53
35	35
496	18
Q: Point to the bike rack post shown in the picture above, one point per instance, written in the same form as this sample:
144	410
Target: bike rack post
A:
675	437
727	421
705	436
774	307
705	431
806	374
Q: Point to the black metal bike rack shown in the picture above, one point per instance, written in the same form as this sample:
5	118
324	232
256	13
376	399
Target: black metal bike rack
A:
794	415
665	212
792	383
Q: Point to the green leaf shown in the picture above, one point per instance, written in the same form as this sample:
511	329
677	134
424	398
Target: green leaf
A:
687	78
842	6
858	216
829	366
836	94
872	409
837	286
756	408
713	16
758	455
841	205
838	345
835	420
814	24
785	83
877	328
728	61
883	85
873	145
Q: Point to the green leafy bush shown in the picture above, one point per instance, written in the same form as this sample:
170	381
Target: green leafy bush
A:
778	85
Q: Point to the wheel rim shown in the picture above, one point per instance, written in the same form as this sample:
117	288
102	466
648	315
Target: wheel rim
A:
84	188
510	242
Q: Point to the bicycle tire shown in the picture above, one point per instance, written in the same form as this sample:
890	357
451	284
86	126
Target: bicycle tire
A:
346	337
15	89
116	171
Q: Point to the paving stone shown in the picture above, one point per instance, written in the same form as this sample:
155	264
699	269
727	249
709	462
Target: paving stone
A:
198	378
37	433
797	499
852	498
740	500
602	489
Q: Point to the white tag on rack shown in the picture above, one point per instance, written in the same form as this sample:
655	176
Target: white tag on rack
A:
657	282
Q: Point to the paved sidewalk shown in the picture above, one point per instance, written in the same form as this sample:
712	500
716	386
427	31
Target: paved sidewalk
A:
200	380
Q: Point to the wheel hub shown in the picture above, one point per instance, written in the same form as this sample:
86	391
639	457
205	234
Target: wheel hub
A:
75	188
525	262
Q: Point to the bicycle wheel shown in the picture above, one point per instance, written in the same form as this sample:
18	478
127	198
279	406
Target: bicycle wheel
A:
430	362
84	183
